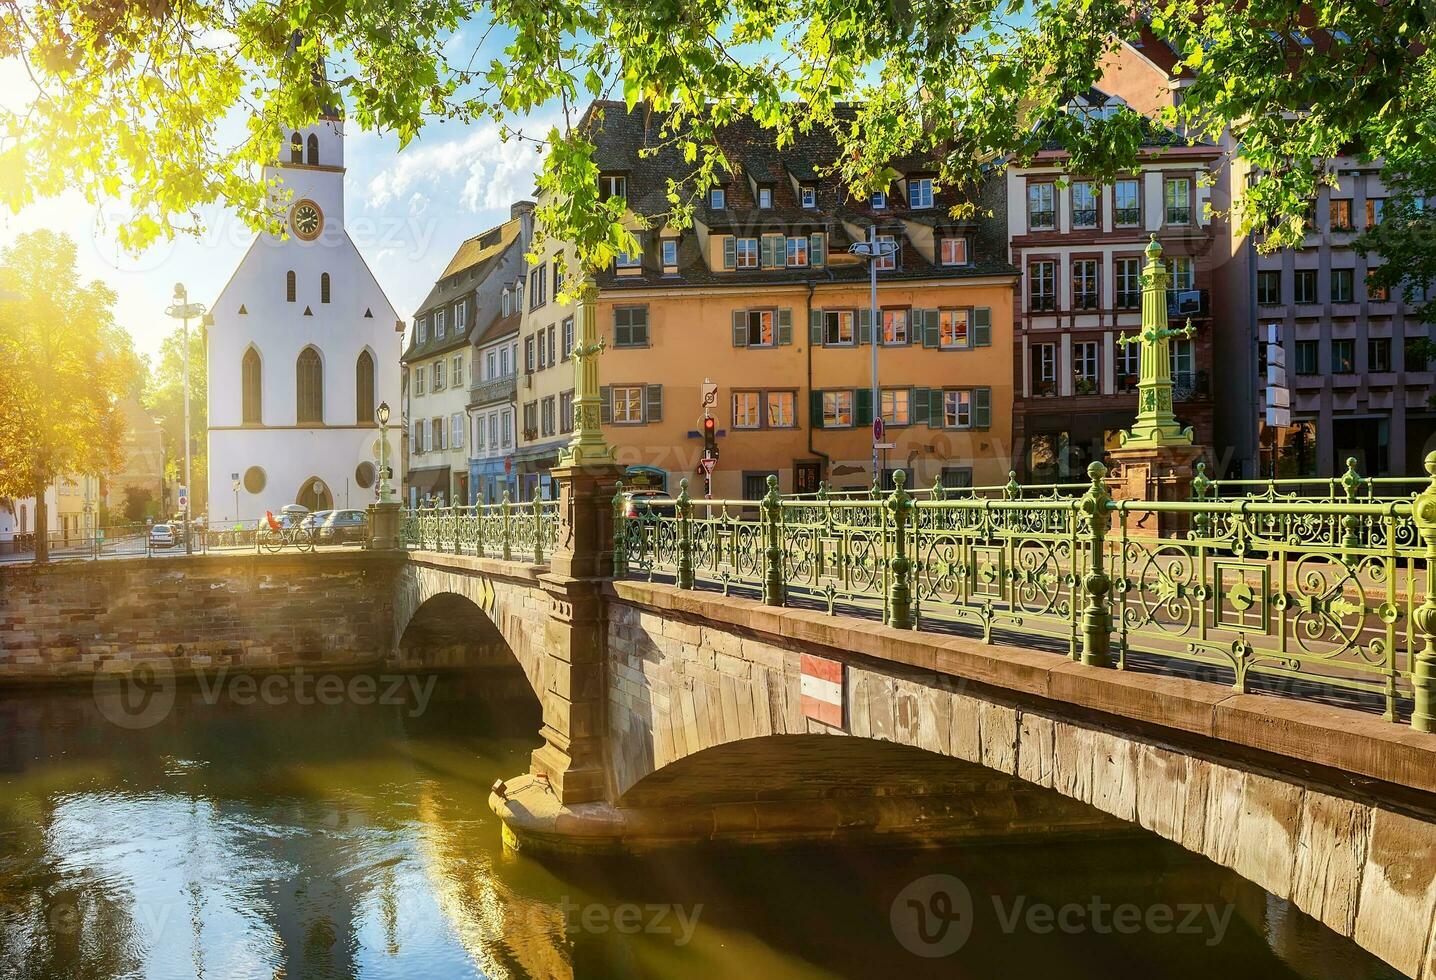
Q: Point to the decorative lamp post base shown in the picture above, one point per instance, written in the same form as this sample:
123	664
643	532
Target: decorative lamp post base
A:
1155	473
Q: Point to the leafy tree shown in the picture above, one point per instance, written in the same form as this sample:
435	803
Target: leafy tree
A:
1406	239
131	96
139	503
66	366
164	399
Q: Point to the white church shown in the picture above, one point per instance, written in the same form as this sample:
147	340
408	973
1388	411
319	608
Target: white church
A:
302	348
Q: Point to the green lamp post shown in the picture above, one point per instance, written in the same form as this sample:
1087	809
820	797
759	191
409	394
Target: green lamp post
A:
1155	426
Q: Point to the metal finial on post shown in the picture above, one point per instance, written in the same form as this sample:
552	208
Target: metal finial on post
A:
1096	620
1013	490
1351	485
900	505
771	508
1423	673
1201	491
683	504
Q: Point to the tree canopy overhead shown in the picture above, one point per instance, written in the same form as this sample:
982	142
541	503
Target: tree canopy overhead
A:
130	97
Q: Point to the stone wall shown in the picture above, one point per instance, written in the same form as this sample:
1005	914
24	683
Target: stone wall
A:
70	619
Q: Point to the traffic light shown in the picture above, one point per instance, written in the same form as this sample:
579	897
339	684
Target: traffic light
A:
710	433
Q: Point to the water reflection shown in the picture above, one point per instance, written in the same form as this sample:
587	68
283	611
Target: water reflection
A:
346	841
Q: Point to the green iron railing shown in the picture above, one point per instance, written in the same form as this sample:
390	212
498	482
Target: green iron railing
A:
1319	598
515	531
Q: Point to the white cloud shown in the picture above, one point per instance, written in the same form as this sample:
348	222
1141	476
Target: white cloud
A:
478	169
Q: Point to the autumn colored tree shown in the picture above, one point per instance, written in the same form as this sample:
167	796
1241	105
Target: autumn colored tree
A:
66	365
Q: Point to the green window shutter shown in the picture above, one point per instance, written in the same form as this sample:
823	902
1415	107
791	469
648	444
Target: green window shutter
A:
865	326
765	252
863	406
785	326
934	408
982	327
918	401
929	322
730	252
815	408
815	327
605	405
817	250
654	411
740	328
982	408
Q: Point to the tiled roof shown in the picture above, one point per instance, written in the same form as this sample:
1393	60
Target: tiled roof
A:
619	137
1154	134
472	263
498	327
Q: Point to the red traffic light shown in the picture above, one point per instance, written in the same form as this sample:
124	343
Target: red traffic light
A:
709	424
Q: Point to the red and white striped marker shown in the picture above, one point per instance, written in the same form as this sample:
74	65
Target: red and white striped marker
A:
822	690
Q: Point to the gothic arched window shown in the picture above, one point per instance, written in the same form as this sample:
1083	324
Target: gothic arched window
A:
251	390
324	287
313	150
296	149
309	387
364	388
290	285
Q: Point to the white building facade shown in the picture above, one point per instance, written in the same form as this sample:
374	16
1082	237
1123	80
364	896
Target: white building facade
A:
301	352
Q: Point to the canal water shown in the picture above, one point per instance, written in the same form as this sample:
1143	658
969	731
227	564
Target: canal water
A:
226	838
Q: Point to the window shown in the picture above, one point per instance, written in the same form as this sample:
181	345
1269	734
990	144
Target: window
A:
1342	285
1182	275
437	433
1414	350
565	411
765	197
416	443
627	404
461	317
557	275
519	294
1084	367
419	375
612	185
552	344
536	287
895	324
252	389
1084	204
837	409
1339	210
324	287
1375	208
291	287
313	150
1129	283
798	252
1375	292
421	328
494	430
954	251
508	306
543	359
1306	357
838	327
530	420
1179	200
479	429
456	370
755	327
957	408
439	318
1044	369
508	427
1042	286
747	409
746	250
437	376
456	430
1127	203
548	423
296	149
1041	207
782	410
530	350
1378	354
887	253
364	388
718	198
1269	288
897	406
670	252
1128	366
567	337
954	329
1304	284
1180	362
808	196
630	326
879	200
1343	357
919	192
1085	295
630	260
309	387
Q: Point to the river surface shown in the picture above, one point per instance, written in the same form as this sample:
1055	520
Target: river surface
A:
239	840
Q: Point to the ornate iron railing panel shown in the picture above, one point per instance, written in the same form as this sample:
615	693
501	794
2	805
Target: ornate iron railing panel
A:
515	531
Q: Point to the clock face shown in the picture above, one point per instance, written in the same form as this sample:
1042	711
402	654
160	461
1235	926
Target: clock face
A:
307	220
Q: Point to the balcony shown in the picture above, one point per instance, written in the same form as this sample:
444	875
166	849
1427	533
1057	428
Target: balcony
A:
502	389
1187	385
1188	302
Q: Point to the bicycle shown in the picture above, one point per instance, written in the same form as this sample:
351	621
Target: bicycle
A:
273	536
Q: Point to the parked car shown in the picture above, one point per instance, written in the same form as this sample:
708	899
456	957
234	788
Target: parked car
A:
654	502
316	520
162	536
344	525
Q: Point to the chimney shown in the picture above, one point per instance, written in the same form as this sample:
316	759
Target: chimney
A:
525	211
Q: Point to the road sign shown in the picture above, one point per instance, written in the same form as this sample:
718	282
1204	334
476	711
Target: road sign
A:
707	464
710	393
884	445
183	500
879	430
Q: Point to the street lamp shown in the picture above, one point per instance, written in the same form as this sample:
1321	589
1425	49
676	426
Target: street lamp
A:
183	310
872	253
386	493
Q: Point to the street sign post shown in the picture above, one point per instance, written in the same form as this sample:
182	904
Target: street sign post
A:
707	464
710	394
879	430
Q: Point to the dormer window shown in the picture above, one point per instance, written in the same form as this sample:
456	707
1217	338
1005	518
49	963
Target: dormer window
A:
630	260
613	185
508	301
808	195
717	199
765	197
423	330
954	251
670	253
879	200
919	192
